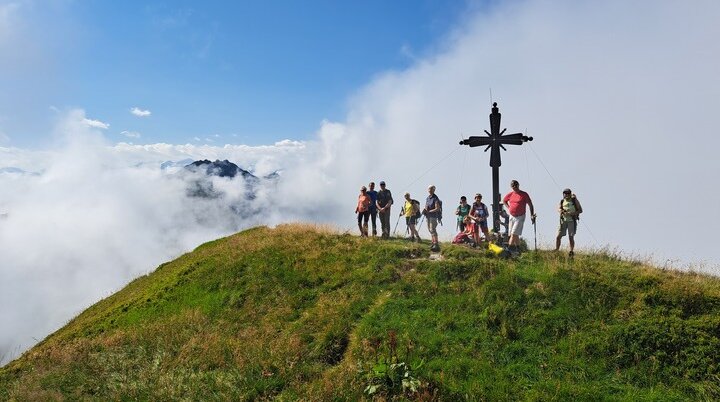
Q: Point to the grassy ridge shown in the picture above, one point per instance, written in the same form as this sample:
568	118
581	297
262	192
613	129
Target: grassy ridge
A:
302	313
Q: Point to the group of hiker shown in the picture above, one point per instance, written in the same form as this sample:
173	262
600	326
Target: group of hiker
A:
472	219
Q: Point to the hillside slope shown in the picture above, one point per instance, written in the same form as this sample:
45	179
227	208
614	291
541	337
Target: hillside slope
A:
299	312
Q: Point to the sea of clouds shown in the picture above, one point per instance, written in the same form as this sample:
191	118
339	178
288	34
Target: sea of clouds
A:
620	97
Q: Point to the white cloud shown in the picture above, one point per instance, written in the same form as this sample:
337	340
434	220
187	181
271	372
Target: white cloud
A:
130	134
96	124
139	112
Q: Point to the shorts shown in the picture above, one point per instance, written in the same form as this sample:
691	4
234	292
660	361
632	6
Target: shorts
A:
410	220
516	225
567	227
432	225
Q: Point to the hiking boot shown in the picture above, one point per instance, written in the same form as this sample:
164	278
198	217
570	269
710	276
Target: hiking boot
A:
571	254
374	232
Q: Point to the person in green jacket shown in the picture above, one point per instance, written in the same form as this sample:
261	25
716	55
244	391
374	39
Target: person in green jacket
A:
462	211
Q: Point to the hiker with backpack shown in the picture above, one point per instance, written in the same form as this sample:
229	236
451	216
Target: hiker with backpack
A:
570	210
363	211
479	214
462	211
411	211
433	213
516	202
373	206
384	202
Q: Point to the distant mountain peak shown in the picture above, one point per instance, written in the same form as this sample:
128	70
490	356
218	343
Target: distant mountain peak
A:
219	168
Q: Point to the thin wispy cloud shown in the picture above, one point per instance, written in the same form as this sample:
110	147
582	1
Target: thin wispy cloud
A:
8	13
96	124
139	112
131	134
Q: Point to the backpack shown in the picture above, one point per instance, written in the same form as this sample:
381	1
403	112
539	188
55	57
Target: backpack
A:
416	204
439	211
576	204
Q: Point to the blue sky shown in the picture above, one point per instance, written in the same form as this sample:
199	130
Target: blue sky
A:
231	72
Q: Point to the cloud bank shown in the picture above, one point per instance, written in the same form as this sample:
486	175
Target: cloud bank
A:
97	215
620	98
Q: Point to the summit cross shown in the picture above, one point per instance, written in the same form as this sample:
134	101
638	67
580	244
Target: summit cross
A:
495	140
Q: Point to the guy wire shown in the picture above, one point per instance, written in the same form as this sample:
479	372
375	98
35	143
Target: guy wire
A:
432	167
462	167
560	189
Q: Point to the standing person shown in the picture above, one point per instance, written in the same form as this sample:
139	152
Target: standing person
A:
504	221
570	210
516	202
363	211
432	211
384	202
411	210
462	211
373	206
479	214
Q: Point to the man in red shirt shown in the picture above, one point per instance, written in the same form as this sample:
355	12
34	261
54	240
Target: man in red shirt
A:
516	202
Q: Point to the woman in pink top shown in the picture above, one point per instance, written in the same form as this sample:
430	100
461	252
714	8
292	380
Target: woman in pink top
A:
363	211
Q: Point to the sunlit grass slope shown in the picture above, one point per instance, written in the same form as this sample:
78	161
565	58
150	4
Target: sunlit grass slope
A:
299	312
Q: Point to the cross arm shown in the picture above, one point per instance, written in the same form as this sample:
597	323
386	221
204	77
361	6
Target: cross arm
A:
514	139
476	141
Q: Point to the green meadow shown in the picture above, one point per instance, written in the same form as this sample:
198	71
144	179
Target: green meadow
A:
305	313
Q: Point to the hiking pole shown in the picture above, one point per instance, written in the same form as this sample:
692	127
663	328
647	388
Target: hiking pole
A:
396	224
535	230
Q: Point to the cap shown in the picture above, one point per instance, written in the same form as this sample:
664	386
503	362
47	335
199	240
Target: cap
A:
567	190
382	183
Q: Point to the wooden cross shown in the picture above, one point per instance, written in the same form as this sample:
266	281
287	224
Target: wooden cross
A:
495	140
